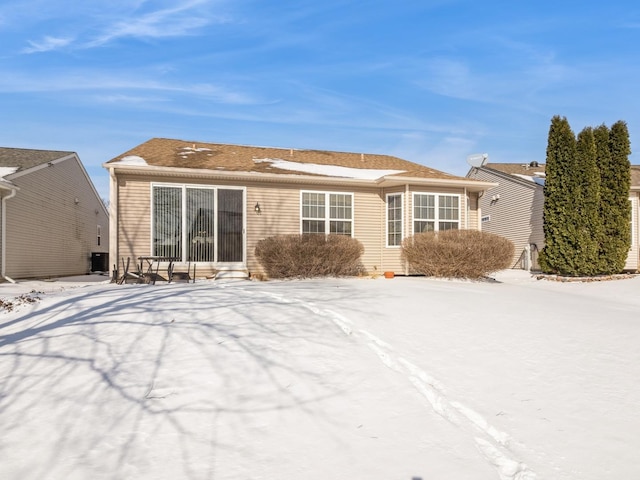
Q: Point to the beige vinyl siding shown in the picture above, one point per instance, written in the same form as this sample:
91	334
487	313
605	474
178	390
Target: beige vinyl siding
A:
279	206
369	227
632	259
52	222
134	218
472	212
280	214
515	215
280	209
391	258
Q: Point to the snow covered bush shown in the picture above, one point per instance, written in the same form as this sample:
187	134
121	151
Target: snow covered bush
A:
457	253
307	256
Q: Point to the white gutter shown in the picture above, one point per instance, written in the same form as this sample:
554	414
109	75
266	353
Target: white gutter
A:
384	181
13	189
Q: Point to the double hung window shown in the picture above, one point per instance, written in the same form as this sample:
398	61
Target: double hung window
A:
394	220
435	212
325	213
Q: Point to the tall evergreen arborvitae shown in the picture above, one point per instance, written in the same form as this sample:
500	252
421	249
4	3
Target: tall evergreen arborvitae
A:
559	214
586	199
616	181
586	210
603	158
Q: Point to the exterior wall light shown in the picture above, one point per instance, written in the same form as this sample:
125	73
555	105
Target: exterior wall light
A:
257	209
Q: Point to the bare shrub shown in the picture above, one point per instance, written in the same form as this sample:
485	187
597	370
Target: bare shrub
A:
307	256
457	253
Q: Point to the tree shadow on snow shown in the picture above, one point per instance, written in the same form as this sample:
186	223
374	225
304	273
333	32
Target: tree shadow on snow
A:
145	381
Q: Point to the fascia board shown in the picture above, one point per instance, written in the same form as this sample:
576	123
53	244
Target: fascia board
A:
386	181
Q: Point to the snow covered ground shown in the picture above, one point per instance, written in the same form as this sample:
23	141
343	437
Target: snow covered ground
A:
377	379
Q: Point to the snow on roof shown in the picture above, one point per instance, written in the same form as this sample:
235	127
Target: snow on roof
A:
328	170
195	149
534	179
132	160
4	171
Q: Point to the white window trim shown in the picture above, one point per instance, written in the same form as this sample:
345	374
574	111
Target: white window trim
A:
386	223
634	223
436	220
183	187
327	218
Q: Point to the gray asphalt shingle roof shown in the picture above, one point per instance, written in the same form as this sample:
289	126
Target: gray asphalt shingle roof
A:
25	158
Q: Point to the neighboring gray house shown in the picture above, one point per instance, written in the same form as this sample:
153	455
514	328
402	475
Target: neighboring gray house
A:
514	209
52	220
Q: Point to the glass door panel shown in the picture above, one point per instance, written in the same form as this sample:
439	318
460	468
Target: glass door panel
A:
230	225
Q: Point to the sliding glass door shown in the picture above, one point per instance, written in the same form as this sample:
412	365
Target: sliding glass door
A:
198	224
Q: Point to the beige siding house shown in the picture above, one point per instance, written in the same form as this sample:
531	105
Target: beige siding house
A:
514	209
209	204
52	219
633	259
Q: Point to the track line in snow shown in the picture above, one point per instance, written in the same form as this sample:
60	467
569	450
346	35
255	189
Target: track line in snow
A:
490	441
508	469
494	446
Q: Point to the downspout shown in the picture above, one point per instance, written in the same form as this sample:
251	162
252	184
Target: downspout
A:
383	219
467	209
479	209
406	224
113	223
3	273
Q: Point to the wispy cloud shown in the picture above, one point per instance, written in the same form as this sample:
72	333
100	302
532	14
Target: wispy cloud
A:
183	20
109	86
141	20
451	78
47	44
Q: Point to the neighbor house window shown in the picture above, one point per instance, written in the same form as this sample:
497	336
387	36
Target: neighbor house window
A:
435	212
324	213
394	220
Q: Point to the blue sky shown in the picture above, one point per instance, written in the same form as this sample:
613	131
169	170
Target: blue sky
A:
428	81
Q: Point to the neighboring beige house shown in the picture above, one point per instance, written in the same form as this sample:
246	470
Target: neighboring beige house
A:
53	222
209	204
514	209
